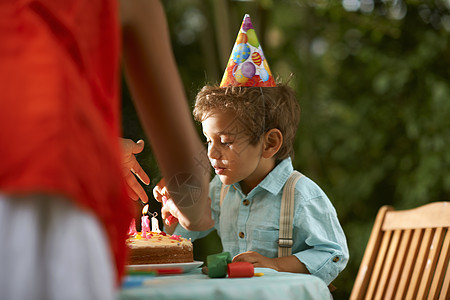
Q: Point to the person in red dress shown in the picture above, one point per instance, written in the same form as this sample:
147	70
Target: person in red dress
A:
64	209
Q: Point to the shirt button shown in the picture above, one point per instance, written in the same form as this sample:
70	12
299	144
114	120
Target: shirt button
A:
336	259
246	202
241	235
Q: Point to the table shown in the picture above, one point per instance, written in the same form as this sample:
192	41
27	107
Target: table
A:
195	285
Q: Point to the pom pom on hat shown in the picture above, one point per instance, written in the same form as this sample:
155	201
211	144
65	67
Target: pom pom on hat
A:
247	65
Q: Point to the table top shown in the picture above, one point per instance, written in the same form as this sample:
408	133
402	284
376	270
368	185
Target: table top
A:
195	285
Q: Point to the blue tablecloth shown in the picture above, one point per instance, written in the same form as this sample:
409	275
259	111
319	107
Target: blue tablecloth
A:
195	285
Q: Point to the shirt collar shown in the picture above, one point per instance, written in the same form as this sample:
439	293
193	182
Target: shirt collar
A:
275	180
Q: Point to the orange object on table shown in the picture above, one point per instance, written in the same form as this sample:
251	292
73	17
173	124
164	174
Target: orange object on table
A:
240	269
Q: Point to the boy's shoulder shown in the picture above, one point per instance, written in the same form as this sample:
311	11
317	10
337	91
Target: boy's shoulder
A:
308	189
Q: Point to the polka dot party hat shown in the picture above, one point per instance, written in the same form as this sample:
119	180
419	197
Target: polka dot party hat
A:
247	65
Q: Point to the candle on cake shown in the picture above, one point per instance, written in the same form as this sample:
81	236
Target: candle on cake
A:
145	223
132	228
155	224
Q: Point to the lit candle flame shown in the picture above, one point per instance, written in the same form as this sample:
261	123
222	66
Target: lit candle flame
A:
145	210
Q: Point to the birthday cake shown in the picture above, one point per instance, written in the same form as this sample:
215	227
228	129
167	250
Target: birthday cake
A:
158	248
153	246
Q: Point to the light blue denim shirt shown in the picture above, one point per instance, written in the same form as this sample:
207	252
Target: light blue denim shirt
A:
319	241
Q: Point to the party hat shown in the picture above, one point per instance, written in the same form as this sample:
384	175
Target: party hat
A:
247	65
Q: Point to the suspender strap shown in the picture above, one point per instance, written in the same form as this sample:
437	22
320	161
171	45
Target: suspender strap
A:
285	240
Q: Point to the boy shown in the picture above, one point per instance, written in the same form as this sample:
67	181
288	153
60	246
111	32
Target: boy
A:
250	133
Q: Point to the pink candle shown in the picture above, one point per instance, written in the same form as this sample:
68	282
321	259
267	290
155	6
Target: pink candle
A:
145	224
132	229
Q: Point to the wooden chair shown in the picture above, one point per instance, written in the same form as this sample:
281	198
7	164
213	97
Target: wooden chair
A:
407	256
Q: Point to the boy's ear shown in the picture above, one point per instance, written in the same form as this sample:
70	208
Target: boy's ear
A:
273	139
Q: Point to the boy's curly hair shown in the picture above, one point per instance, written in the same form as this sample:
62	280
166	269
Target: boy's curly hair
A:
258	109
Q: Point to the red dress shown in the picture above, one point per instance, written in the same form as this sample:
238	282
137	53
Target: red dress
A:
59	107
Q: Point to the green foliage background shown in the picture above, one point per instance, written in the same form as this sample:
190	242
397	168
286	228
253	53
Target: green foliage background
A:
372	78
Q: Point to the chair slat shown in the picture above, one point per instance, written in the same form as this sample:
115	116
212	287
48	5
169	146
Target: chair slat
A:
399	264
445	292
379	263
411	257
388	264
431	262
370	254
442	265
419	264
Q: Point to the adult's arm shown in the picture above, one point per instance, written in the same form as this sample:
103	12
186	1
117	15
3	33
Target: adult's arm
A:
161	103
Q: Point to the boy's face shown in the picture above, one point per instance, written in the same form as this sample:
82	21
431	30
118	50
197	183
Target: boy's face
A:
230	153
